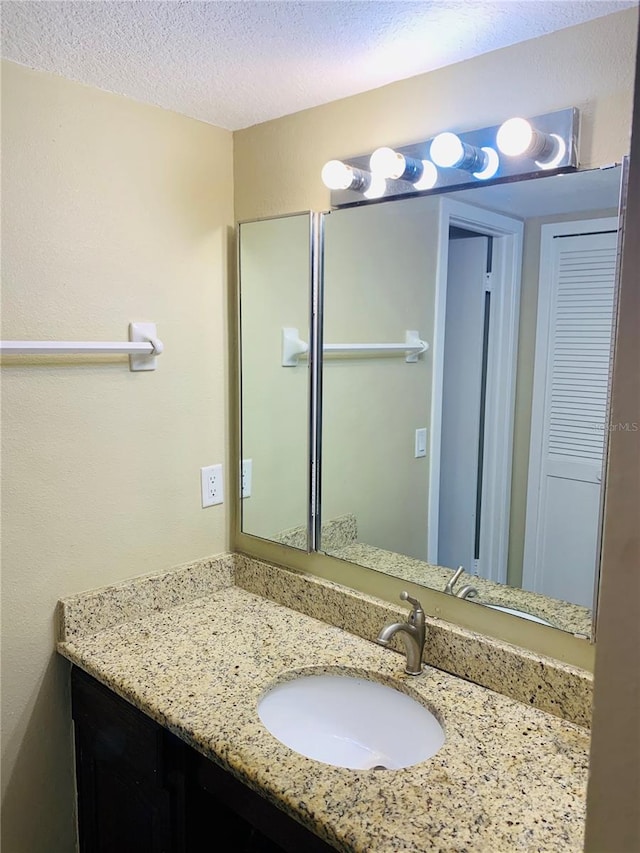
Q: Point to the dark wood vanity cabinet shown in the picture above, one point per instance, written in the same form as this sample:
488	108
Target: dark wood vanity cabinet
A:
143	790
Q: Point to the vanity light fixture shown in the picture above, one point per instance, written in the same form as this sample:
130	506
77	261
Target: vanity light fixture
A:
516	149
450	152
392	164
518	138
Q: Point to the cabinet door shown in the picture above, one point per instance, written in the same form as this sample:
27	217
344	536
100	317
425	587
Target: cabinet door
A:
116	814
126	800
143	790
215	797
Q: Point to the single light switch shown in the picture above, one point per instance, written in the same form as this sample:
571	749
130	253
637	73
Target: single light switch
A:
421	442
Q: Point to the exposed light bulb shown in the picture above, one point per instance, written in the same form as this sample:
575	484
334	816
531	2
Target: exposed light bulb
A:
517	138
336	175
391	164
514	137
428	178
387	163
450	152
447	150
376	188
491	167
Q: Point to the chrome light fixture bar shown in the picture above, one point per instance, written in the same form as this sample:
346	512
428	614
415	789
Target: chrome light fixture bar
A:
518	148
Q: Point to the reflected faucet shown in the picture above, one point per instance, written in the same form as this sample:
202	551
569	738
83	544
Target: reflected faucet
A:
466	591
412	633
453	580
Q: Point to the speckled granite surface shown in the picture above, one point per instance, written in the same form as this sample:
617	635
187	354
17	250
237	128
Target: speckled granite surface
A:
336	533
95	610
508	778
560	614
535	680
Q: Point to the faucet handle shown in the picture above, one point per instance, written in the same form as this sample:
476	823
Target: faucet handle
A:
404	596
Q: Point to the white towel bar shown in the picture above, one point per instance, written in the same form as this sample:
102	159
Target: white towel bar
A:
293	347
142	348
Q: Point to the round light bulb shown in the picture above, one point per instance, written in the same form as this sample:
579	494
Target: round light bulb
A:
514	137
491	166
428	178
387	163
336	175
377	187
446	150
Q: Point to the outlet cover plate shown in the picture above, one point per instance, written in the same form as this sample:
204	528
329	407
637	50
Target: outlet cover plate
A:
212	485
245	478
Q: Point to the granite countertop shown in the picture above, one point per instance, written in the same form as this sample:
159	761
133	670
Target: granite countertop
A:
509	777
559	614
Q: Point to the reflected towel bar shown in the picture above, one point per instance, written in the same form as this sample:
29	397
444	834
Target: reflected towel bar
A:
293	347
142	347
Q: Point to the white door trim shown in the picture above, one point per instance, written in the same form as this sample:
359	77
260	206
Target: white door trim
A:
531	574
502	357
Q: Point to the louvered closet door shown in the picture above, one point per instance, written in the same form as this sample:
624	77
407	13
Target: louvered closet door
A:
569	414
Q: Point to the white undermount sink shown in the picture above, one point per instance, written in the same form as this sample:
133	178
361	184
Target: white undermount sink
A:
521	613
350	722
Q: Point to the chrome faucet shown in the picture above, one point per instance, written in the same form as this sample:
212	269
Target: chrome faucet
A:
412	633
467	591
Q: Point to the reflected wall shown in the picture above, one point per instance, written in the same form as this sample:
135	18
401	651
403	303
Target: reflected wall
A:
274	268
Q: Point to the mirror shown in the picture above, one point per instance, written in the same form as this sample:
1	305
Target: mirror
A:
274	265
485	451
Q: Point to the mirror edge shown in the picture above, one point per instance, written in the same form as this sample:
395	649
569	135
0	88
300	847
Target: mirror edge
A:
622	208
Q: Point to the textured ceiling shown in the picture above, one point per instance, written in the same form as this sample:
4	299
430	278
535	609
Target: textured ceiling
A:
235	64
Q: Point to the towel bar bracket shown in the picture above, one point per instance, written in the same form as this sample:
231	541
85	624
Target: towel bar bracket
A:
144	332
143	347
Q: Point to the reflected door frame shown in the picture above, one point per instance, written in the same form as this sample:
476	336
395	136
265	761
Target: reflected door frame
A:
501	383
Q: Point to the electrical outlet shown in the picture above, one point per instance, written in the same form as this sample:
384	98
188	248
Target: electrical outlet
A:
212	485
245	486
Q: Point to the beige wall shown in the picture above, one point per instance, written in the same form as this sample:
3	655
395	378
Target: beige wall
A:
379	280
112	212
